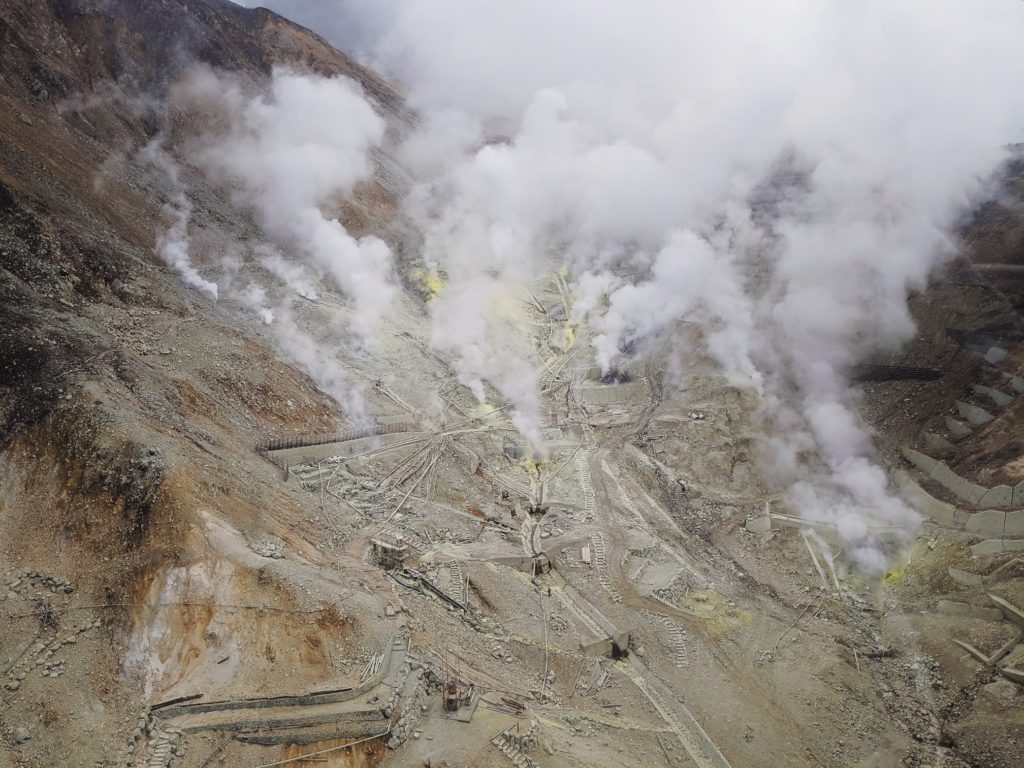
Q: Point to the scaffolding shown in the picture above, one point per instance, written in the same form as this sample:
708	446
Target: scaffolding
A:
389	551
456	692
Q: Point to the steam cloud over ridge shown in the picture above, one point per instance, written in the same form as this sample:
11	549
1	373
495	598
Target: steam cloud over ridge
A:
781	173
289	156
286	155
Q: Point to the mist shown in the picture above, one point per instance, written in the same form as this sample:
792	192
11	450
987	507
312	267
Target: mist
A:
782	174
288	155
172	242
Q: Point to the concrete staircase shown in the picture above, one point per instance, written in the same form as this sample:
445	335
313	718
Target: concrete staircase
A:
586	483
676	641
513	747
675	637
597	545
456	586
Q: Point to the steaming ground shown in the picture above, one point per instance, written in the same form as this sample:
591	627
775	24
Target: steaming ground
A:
625	289
782	179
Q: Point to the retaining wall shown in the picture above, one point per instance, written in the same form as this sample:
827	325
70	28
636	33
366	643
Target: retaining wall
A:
997	497
987	522
998	546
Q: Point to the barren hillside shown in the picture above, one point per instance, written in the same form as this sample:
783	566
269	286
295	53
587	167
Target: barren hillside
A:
206	563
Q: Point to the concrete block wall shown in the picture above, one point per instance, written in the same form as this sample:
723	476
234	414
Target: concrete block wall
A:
1016	675
953	608
994	514
936	445
958	486
925	463
965	578
1009	611
988	522
1000	399
938	511
998	497
974	415
414	695
957	428
999	523
998	546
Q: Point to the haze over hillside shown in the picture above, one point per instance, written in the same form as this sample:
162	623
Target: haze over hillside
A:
541	384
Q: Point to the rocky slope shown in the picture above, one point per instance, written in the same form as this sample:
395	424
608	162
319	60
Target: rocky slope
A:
126	404
141	535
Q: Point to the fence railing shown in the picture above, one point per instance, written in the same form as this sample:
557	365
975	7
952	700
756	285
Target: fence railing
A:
304	441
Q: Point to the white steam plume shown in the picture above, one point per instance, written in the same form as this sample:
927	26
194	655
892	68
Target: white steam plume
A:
248	293
172	244
783	173
316	357
297	277
290	155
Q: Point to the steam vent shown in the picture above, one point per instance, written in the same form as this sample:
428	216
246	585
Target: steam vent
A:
549	384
